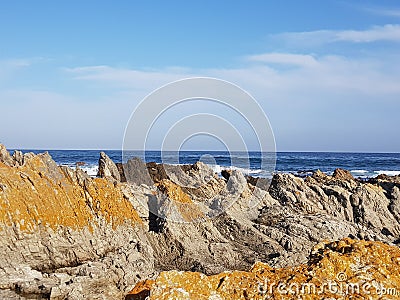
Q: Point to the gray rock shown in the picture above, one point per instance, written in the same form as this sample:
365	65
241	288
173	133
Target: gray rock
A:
107	168
18	158
135	171
237	183
5	156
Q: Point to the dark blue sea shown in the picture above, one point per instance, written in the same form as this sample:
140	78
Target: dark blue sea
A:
362	165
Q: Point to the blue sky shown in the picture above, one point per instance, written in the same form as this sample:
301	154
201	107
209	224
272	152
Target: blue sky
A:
326	73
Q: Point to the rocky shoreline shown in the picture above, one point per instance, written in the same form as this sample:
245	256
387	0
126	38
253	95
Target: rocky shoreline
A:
131	232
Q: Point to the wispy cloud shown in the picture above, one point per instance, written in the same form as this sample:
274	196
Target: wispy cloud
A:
284	58
388	32
320	90
10	66
128	78
326	74
388	12
377	33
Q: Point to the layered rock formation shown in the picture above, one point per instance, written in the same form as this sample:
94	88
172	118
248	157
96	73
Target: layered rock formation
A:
346	269
65	235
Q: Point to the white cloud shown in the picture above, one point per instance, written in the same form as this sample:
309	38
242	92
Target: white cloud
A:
327	74
325	103
377	33
389	12
388	32
128	78
284	58
309	98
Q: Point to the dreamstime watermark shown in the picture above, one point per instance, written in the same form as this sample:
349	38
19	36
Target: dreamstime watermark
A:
340	286
228	103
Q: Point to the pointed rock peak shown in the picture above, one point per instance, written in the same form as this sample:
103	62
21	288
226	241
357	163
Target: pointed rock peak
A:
107	168
5	156
343	175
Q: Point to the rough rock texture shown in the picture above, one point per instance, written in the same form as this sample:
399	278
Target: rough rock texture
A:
346	269
64	235
5	156
107	168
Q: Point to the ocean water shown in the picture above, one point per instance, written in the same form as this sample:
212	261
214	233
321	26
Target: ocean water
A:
363	165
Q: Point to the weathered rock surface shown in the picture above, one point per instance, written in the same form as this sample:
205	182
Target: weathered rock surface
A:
64	235
5	156
107	168
346	269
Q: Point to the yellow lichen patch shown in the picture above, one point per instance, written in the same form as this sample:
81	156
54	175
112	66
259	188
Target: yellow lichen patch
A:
39	193
187	208
173	191
111	203
347	269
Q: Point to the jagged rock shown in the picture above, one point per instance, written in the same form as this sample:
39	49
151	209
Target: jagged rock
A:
337	270
62	232
5	156
18	158
341	174
65	235
394	206
156	171
261	183
190	176
237	183
107	168
135	171
318	176
120	168
178	207
384	177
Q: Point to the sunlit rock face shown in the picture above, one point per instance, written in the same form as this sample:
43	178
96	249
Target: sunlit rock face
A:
66	235
183	231
346	269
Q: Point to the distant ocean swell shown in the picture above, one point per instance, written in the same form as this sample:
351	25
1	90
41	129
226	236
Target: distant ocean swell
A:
363	165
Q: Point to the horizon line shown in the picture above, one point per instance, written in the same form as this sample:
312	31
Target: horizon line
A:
209	150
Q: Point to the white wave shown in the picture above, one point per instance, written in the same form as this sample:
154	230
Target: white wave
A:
215	168
359	171
258	171
244	170
90	170
387	172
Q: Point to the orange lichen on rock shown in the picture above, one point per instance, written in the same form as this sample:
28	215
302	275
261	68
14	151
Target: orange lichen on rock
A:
173	191
347	269
141	291
187	208
41	193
